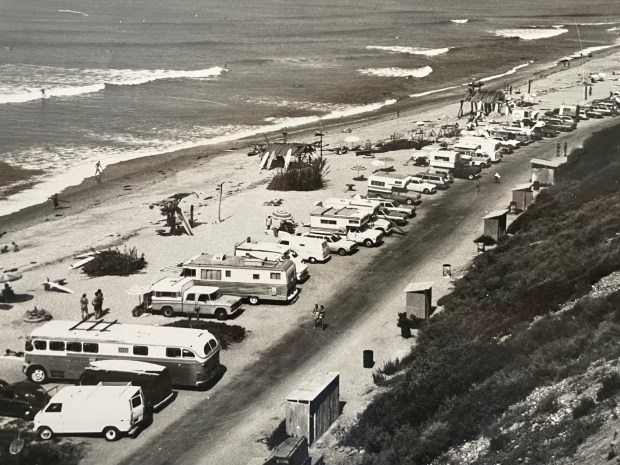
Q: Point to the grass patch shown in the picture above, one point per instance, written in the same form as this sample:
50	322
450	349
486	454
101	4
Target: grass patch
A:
225	334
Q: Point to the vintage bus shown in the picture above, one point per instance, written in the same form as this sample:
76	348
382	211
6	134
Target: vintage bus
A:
63	349
254	278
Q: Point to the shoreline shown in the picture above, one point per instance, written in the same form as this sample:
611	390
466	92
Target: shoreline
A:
142	169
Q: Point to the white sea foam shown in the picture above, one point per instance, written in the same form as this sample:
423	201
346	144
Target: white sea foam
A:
23	83
588	51
612	29
410	50
603	23
431	92
459	21
69	165
73	12
507	73
530	33
398	72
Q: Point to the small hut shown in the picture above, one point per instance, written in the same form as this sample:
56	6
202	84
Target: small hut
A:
418	298
280	154
545	171
313	407
523	196
495	224
486	101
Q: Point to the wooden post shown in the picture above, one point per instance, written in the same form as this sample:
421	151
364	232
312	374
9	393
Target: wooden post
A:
460	113
191	216
529	86
220	187
585	91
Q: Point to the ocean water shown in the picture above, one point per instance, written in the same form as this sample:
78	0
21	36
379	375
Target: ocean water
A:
135	78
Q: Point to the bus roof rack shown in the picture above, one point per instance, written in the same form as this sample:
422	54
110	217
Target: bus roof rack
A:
93	326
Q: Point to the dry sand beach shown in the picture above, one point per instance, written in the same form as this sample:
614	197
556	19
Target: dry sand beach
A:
116	213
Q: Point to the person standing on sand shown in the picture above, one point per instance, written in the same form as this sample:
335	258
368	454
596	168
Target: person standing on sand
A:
565	148
557	150
98	304
497	177
84	306
54	199
478	186
269	222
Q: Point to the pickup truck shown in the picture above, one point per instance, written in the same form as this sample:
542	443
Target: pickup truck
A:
395	193
337	244
172	296
417	185
393	205
361	235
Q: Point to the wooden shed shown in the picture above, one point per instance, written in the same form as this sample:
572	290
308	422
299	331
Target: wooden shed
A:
495	224
313	407
545	171
523	196
418	298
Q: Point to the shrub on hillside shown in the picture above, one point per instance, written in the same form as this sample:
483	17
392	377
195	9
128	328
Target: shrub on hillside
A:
609	388
115	262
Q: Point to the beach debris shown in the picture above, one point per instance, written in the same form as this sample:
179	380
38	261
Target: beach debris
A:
273	203
171	210
36	315
57	285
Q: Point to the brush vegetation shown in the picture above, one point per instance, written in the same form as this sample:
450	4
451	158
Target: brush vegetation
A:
308	176
115	262
502	341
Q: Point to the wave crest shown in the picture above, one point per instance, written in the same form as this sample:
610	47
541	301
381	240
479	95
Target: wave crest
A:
398	72
410	50
459	21
531	33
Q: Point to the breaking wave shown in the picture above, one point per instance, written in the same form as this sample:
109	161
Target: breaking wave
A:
459	21
398	72
24	83
531	33
73	12
410	50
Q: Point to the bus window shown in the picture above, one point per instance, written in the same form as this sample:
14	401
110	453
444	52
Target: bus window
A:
188	354
40	345
91	348
74	346
173	352
57	345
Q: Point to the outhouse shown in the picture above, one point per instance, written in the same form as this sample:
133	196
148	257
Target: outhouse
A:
313	406
523	196
418	298
495	224
545	171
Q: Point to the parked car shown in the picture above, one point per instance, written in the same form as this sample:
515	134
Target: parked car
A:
399	218
418	185
337	244
397	194
421	160
396	206
444	172
435	179
467	172
546	131
22	399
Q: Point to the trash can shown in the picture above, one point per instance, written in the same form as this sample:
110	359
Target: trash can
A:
447	270
480	247
513	207
405	331
368	359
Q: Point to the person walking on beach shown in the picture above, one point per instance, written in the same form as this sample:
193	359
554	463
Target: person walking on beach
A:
42	93
84	306
55	201
565	148
497	177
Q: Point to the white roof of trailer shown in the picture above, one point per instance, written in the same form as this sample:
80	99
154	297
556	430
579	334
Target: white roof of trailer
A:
225	261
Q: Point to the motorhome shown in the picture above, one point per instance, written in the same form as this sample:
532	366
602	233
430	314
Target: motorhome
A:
172	296
345	221
111	410
489	147
400	181
344	215
373	206
63	349
254	278
449	158
272	251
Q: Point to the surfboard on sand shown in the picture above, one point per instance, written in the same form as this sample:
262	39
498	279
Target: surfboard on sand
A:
49	285
287	159
186	224
263	161
82	262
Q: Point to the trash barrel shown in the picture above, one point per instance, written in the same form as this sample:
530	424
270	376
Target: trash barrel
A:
405	331
368	359
447	270
480	247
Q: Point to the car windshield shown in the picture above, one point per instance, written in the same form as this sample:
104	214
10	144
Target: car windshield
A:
335	238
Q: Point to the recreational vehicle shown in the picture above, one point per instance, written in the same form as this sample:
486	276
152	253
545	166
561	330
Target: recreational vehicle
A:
254	278
377	221
272	251
489	147
400	181
448	158
344	216
63	349
345	221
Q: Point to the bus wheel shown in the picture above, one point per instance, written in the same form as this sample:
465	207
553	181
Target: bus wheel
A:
168	312
220	314
253	300
45	433
37	374
110	433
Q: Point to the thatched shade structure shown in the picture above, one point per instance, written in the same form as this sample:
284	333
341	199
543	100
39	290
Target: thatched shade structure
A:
486	101
278	150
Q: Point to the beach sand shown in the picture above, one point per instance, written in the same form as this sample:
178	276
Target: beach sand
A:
116	213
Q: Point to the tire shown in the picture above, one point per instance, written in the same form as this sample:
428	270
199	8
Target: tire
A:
312	260
368	243
111	434
168	311
37	374
253	300
409	201
426	191
28	415
45	433
470	177
221	314
342	252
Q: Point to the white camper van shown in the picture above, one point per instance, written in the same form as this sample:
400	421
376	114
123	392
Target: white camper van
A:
311	249
110	410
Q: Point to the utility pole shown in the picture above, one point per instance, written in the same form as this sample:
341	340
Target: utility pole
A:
220	187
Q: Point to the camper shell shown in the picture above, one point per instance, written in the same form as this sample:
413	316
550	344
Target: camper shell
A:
171	296
256	279
109	410
272	251
372	206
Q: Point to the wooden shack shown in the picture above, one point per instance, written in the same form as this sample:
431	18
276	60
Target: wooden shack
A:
523	196
418	298
545	171
313	407
495	224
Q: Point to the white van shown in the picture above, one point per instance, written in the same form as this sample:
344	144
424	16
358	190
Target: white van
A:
110	410
310	249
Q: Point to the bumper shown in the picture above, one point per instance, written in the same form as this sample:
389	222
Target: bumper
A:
293	296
